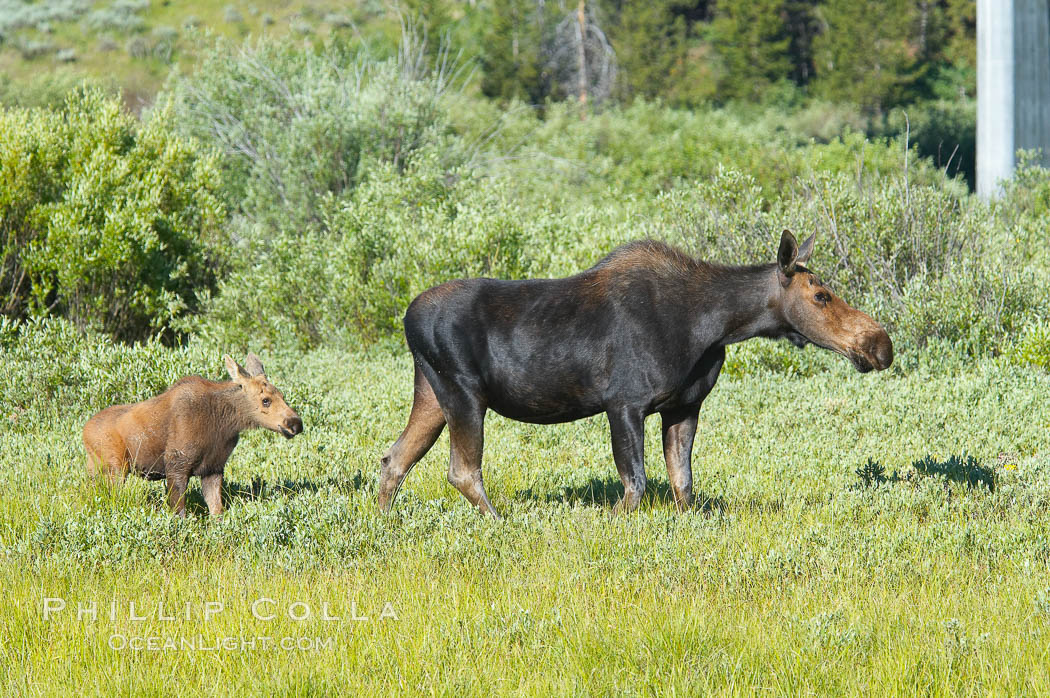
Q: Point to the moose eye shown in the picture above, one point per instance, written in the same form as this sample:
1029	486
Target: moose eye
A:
823	298
266	402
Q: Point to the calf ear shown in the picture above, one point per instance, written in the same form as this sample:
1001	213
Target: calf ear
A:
787	255
253	366
237	373
806	250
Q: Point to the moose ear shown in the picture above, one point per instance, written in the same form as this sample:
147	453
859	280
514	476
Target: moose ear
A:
254	366
237	374
787	255
806	250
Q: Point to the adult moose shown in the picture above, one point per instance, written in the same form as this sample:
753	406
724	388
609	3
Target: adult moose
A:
642	331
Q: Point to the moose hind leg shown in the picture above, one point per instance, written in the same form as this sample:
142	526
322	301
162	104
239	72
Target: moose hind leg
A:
425	422
94	465
466	429
109	461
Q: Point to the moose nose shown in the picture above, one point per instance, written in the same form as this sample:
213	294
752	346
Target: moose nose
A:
881	350
294	425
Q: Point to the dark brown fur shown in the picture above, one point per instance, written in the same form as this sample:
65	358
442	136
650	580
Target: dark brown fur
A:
643	331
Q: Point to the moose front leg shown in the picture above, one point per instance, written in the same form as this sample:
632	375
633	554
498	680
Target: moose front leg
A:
178	464
679	429
176	485
211	488
627	427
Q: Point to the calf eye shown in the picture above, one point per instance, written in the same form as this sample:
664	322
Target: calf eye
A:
266	402
823	298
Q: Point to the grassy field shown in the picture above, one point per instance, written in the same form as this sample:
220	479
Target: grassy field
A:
854	534
133	44
875	534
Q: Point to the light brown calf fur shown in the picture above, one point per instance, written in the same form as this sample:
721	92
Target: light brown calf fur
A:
189	429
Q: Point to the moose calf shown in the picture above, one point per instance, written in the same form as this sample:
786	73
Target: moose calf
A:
190	429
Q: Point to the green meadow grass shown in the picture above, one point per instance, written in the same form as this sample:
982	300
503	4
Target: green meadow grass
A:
855	534
128	56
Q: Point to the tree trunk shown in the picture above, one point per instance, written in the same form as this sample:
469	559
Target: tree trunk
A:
581	35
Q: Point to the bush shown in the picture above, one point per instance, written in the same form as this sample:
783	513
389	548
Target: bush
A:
299	126
49	89
49	365
944	131
349	212
164	41
647	147
923	260
18	14
138	47
920	259
111	222
398	235
33	48
338	20
121	16
1032	347
1028	193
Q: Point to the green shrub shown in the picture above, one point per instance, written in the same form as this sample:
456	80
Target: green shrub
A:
1032	347
120	16
920	259
18	14
1028	192
349	213
979	305
944	131
298	126
34	48
49	365
138	47
49	89
647	147
109	221
923	260
396	236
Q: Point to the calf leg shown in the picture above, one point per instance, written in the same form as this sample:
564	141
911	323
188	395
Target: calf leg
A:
425	423
679	428
211	488
177	482
109	462
628	442
94	465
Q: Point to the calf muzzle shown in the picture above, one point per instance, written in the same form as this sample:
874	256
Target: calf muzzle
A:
291	427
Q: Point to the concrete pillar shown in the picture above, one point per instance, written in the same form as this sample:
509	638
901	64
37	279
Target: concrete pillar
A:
1013	87
995	94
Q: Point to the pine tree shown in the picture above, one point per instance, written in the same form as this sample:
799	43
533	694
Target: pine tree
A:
752	40
512	59
869	52
649	40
